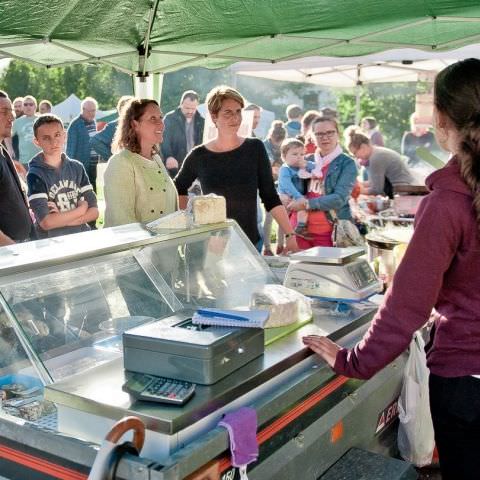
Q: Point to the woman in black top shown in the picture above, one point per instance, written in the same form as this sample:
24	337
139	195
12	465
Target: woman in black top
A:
234	167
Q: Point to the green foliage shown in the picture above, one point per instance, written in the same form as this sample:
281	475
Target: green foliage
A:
201	80
55	84
390	104
256	90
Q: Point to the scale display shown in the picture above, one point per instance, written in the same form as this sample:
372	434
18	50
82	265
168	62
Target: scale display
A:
332	274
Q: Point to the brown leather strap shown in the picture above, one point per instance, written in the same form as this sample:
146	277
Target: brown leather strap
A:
123	426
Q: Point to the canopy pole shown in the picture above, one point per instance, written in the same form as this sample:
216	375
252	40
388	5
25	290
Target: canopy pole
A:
149	86
144	87
233	77
358	94
158	86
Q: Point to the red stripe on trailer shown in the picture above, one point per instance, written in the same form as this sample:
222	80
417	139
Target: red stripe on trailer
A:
293	414
40	465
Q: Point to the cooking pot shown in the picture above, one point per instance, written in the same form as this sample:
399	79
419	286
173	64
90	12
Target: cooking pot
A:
381	250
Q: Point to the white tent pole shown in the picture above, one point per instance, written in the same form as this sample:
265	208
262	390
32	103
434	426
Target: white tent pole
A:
233	77
358	94
157	86
144	87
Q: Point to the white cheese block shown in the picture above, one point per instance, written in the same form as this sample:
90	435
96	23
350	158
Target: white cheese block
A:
285	305
177	220
209	209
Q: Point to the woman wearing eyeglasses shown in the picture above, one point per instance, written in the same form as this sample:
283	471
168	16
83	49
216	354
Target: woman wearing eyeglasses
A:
234	167
137	185
330	187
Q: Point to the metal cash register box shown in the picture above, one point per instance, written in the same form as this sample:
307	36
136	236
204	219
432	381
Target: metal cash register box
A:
175	348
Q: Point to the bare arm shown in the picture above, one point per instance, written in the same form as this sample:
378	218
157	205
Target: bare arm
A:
90	216
171	162
280	215
5	240
182	202
56	219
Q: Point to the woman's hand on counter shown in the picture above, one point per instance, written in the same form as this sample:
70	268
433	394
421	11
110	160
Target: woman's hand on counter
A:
322	346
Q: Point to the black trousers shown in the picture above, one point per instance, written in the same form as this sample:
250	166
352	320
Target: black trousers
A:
455	406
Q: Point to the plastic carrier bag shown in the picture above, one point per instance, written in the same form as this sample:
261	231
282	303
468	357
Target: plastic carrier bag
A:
346	234
415	433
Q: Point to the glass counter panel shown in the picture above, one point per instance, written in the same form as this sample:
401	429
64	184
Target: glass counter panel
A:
213	269
21	389
74	318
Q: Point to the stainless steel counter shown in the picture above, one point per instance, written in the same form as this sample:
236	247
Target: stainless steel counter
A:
99	391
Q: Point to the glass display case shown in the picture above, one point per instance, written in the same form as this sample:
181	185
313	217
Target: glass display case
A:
65	302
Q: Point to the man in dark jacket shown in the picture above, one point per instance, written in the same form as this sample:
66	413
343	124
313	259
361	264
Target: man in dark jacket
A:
101	142
15	222
183	130
79	133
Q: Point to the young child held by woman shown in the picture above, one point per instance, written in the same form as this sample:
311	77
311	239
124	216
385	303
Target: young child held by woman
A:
291	178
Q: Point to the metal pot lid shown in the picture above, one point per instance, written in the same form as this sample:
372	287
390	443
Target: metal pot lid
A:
377	240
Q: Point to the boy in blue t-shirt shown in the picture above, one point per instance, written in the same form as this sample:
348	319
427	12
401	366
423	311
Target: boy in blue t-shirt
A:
291	176
59	191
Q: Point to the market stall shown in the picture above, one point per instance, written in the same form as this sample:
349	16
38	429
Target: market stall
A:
67	301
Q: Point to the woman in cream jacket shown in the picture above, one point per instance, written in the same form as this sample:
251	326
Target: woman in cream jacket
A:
137	185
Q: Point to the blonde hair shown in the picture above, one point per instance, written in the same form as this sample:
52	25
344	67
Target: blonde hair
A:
217	95
31	98
355	137
289	144
123	100
125	136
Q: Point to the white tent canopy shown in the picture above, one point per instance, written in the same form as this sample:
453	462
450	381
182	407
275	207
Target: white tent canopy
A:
70	108
400	65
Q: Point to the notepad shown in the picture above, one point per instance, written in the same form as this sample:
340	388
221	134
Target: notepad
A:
231	318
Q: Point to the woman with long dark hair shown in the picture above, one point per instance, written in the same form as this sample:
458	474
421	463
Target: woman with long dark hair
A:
440	271
137	185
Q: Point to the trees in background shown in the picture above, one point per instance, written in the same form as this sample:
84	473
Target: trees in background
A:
55	84
390	104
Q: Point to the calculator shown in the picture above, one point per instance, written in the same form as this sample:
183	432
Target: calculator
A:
158	389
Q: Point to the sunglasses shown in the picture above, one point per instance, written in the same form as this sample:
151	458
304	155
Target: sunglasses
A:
29	104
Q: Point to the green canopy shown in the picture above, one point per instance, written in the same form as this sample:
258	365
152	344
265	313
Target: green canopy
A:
216	33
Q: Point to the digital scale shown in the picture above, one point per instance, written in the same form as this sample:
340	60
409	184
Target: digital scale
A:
333	274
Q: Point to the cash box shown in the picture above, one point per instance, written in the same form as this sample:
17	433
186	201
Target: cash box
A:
175	348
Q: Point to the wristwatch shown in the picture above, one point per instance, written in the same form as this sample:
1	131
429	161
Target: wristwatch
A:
289	235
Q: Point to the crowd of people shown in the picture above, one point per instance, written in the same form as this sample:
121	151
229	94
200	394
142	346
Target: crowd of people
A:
303	176
300	171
